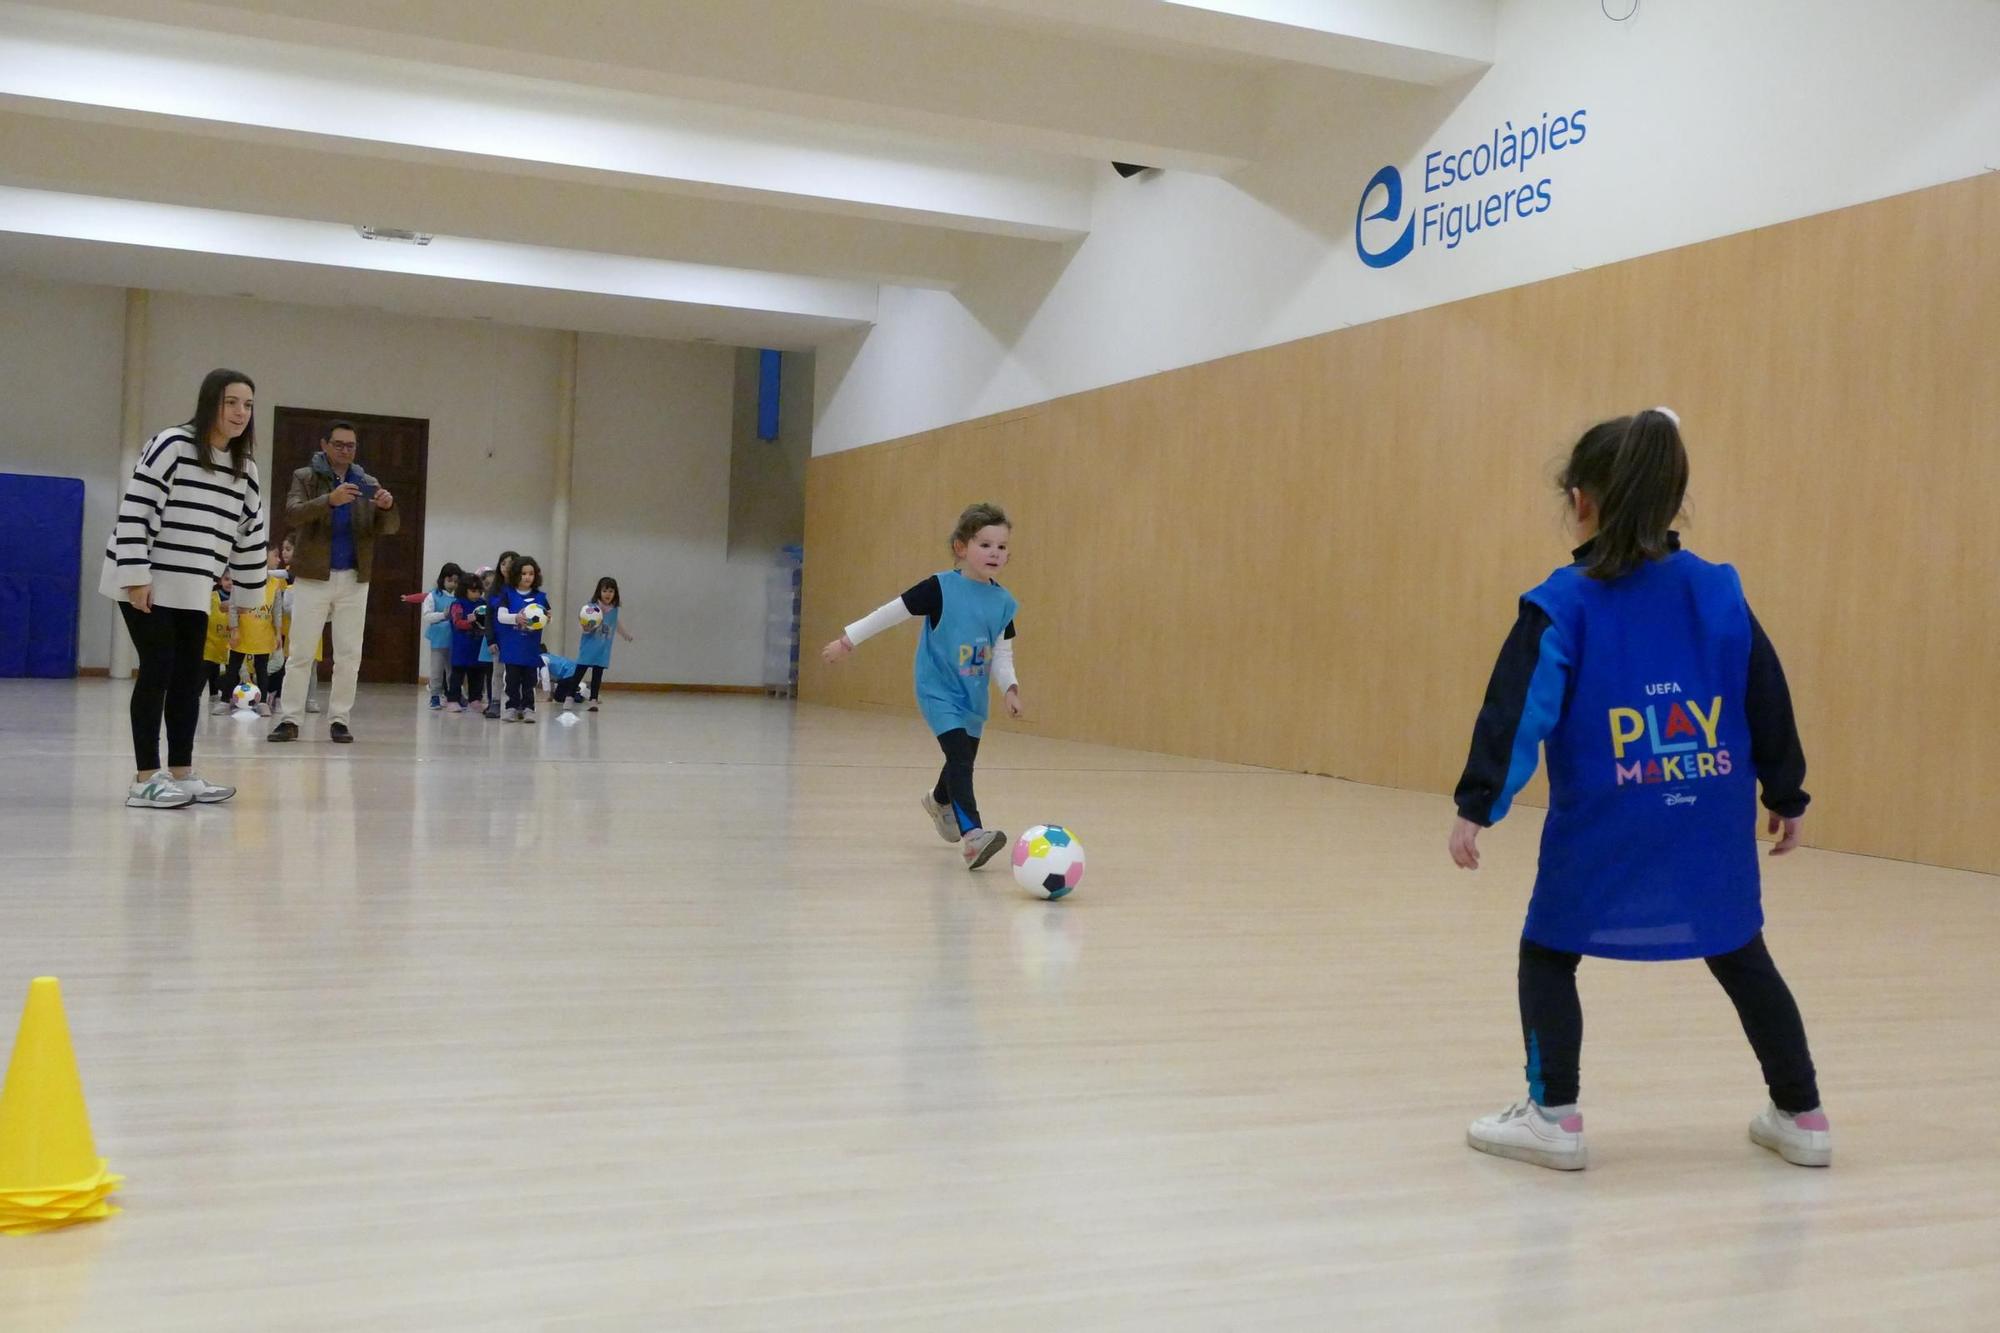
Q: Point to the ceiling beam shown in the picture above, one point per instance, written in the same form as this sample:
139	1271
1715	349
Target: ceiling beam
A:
415	111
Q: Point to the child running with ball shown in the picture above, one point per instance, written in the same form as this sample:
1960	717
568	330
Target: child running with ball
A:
967	641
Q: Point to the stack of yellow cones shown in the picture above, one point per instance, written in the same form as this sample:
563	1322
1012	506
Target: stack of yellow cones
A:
50	1173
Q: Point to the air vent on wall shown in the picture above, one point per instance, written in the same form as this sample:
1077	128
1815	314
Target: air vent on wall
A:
395	234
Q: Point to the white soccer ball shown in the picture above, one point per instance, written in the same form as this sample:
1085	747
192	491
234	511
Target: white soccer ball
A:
535	619
1048	860
591	616
245	695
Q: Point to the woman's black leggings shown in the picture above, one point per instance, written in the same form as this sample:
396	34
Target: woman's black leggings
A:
954	785
1552	1023
171	675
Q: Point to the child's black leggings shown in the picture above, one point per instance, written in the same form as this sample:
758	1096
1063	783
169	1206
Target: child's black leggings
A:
954	785
1552	1023
260	668
520	688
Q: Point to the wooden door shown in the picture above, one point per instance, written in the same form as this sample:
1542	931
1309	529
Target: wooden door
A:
396	452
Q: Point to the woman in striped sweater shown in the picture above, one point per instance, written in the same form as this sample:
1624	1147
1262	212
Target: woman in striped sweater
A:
191	510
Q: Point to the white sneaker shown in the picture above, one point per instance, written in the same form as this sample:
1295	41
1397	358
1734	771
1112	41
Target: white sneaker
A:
312	706
208	793
943	819
159	792
222	706
1805	1139
263	710
980	846
527	715
1523	1133
569	705
509	715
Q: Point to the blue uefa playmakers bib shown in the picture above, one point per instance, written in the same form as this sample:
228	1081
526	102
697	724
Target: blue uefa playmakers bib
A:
1649	850
594	648
955	659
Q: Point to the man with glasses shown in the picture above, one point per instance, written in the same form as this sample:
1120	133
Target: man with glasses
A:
335	512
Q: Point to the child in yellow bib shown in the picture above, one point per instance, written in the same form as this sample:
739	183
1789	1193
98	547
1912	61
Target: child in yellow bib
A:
215	649
253	634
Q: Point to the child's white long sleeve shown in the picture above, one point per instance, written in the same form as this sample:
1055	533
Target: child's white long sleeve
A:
508	617
887	616
1003	666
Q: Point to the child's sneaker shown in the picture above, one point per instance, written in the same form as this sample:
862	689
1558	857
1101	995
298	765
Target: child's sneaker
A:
943	818
569	705
159	792
509	715
312	705
1805	1139
1525	1133
437	704
593	703
222	706
263	709
493	711
454	708
527	715
980	845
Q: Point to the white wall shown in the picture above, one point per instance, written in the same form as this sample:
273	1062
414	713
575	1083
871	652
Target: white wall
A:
651	472
1705	117
60	345
489	392
651	509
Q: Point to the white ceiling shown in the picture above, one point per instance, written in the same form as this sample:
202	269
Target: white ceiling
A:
742	170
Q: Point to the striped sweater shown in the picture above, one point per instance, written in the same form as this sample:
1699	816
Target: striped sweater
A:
179	526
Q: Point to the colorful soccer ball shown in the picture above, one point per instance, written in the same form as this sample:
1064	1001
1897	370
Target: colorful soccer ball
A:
535	619
245	695
479	615
1048	860
591	616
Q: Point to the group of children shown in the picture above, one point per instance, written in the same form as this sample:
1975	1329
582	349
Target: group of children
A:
1662	707
247	636
476	621
473	622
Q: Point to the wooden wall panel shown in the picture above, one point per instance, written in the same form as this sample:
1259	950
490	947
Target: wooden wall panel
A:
1306	556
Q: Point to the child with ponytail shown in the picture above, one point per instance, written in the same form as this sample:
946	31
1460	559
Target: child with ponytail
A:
1662	707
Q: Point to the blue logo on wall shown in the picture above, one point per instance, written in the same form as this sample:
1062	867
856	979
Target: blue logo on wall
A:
1454	219
1391	181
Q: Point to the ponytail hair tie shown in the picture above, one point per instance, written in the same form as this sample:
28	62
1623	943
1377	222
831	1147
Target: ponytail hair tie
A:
1670	415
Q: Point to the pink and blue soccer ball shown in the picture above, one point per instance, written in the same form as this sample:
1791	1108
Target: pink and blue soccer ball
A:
245	695
1048	860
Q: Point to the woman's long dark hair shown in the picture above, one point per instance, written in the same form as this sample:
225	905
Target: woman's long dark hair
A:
1636	470
208	409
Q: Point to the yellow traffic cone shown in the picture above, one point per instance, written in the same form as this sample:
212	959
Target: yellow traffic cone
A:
50	1173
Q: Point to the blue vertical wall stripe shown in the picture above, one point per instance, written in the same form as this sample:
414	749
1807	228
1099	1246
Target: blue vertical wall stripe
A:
769	366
